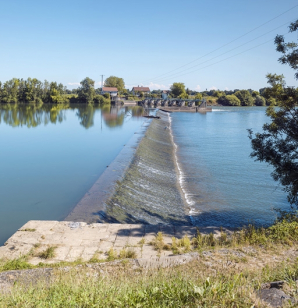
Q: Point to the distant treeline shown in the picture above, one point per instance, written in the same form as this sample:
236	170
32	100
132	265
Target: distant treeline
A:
35	91
240	97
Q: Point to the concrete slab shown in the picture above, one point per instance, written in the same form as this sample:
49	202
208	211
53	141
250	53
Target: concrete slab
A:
74	240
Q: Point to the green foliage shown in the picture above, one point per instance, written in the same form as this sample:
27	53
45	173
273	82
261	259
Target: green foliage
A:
49	253
229	100
127	253
245	98
218	93
116	82
277	145
101	100
198	96
159	243
86	92
260	101
15	264
177	89
289	50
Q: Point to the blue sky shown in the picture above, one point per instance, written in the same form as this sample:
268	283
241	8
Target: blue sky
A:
143	42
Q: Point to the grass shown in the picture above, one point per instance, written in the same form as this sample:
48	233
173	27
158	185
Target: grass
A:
28	230
207	282
191	285
49	253
282	232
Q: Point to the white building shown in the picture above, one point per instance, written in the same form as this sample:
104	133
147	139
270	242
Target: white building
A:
111	90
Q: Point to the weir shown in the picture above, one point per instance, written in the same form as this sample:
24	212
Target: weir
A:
150	192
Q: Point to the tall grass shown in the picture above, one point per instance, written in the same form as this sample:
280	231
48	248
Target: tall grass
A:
189	285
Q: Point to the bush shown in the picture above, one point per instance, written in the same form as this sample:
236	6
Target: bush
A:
229	100
260	101
101	100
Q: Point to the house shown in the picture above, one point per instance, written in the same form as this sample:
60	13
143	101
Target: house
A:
164	94
113	91
138	90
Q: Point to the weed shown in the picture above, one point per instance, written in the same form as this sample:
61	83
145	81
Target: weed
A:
142	242
112	255
16	264
127	253
28	230
159	243
37	245
49	253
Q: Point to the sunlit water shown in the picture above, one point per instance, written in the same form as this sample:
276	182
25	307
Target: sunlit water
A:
50	157
223	185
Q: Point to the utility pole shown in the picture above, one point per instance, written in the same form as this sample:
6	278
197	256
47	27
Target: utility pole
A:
101	81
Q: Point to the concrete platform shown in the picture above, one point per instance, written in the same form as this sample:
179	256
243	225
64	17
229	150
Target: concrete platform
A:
79	240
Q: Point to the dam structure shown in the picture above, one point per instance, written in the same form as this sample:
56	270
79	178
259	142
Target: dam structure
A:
176	105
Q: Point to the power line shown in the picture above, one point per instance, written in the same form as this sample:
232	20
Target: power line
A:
175	74
223	45
227	58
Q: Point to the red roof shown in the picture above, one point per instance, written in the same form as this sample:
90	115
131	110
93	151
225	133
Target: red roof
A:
141	89
109	89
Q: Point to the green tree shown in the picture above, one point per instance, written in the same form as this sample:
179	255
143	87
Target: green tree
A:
116	82
277	145
177	89
86	92
229	100
260	101
245	98
198	96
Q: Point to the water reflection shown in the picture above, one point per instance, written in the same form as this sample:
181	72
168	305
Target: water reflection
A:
33	115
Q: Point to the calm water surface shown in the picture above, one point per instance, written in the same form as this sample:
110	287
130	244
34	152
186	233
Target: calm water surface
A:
50	157
224	186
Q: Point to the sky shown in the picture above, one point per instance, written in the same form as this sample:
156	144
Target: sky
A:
206	44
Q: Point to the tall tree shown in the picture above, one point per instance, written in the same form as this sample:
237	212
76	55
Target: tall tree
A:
116	82
86	92
278	143
178	89
245	97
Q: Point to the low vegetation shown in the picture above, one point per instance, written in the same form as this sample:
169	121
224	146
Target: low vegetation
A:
190	285
215	280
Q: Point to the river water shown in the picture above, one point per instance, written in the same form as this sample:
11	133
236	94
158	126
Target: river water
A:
51	156
223	185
